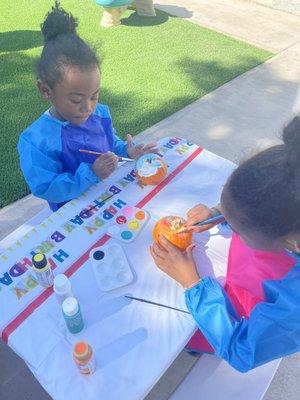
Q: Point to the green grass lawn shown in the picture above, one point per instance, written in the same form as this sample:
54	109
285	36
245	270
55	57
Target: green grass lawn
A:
151	67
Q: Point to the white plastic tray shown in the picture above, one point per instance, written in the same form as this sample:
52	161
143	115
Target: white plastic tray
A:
110	266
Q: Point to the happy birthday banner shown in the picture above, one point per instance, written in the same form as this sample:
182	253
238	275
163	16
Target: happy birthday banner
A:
74	228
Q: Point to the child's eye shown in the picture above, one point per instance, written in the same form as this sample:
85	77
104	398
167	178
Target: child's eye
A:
75	101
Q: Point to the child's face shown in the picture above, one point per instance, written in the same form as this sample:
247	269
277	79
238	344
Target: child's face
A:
252	237
76	96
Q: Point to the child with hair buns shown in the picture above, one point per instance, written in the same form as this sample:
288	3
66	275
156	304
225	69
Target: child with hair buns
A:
68	76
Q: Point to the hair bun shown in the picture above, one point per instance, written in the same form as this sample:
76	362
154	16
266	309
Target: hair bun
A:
58	22
291	139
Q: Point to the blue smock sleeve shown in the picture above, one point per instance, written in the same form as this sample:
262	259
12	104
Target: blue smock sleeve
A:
43	173
272	330
119	145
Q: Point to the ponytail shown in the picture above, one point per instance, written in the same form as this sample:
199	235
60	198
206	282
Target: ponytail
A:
63	47
58	22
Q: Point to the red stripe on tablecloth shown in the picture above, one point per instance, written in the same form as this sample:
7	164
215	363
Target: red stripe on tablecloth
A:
46	293
82	259
168	179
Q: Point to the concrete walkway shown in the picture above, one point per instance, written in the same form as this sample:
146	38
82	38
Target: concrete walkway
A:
264	27
243	115
234	120
291	6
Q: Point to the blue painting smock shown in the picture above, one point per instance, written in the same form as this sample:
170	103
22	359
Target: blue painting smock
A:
50	160
272	328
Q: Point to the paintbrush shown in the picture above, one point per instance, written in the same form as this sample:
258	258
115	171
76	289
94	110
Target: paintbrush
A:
156	304
97	205
97	153
217	218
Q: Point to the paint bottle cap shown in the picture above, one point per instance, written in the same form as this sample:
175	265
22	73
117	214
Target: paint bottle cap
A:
81	350
70	306
61	284
39	260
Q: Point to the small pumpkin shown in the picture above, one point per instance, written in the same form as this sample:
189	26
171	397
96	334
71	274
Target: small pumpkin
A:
168	227
150	169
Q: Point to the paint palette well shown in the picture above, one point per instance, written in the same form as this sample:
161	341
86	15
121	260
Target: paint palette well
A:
111	268
128	224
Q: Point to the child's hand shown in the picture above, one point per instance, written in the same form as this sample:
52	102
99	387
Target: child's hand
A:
105	165
178	264
199	213
136	151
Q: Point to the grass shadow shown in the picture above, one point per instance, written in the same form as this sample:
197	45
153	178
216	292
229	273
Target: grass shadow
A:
208	75
136	20
20	40
21	107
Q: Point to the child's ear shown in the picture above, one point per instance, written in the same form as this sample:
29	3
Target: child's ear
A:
44	89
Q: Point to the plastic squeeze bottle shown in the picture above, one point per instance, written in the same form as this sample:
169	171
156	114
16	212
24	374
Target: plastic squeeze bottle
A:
42	269
62	288
84	358
72	315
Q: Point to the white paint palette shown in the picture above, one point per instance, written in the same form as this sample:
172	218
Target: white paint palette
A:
110	267
128	224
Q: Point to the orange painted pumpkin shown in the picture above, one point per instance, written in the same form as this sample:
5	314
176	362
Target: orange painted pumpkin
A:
168	227
150	169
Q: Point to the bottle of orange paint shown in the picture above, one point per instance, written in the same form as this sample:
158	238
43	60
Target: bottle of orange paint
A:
84	358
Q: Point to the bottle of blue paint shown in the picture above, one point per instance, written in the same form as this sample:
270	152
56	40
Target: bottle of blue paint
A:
72	315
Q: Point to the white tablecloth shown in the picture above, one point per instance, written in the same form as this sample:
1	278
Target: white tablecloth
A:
134	343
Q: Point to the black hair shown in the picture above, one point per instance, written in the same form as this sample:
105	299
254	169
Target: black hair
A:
62	47
265	190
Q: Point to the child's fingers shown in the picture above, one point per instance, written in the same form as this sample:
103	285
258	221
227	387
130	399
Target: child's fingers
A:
199	208
195	229
106	158
189	251
159	250
155	150
111	167
192	220
129	140
157	257
139	147
198	214
199	229
110	164
113	159
152	254
185	230
108	161
109	156
192	213
150	149
158	261
150	145
168	246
